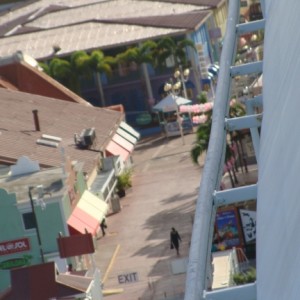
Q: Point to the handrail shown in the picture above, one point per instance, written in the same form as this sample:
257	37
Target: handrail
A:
200	251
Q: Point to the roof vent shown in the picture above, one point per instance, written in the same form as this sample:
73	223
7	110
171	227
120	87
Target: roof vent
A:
86	139
47	143
49	140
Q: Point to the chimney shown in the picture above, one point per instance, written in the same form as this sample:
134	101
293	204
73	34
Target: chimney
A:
36	120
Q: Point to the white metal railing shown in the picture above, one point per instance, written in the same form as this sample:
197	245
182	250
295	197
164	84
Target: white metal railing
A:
199	256
200	250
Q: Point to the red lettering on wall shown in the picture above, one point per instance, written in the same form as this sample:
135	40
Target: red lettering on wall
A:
13	246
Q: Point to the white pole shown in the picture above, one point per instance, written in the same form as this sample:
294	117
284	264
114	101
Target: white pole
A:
179	122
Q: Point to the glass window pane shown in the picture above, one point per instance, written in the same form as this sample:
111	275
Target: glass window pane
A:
28	220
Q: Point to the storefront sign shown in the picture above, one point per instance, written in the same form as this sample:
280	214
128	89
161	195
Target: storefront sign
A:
15	262
14	246
227	230
248	219
128	278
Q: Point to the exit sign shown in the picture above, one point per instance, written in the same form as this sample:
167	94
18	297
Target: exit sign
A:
128	278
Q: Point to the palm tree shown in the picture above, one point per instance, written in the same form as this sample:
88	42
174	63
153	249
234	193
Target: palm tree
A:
62	70
99	63
68	71
202	139
80	63
203	132
171	48
140	55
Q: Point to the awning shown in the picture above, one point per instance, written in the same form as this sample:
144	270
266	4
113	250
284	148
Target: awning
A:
130	138
130	130
89	211
123	143
115	149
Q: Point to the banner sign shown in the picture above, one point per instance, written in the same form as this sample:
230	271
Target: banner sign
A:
14	246
15	262
227	229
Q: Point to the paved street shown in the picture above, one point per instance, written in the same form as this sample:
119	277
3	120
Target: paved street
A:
135	256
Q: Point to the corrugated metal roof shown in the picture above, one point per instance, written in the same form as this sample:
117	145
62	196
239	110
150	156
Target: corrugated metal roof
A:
209	3
57	118
76	25
85	36
111	10
189	20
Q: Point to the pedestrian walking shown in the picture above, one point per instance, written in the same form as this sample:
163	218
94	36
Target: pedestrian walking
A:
174	240
103	226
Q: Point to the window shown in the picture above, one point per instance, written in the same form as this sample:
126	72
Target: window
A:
28	220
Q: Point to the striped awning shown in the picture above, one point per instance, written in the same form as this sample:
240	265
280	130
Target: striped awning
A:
88	213
127	136
115	149
123	142
130	130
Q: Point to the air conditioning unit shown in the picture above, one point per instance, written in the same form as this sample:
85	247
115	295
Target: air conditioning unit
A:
86	138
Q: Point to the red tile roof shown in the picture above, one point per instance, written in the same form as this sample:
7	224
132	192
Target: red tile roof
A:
19	75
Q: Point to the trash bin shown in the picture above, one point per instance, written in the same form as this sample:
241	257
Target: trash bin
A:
115	203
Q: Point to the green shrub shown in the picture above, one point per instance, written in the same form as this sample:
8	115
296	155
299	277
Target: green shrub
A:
245	277
124	180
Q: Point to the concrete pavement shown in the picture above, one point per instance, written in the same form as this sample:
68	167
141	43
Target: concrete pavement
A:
135	256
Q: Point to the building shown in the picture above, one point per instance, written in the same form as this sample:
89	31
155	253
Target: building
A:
201	21
28	125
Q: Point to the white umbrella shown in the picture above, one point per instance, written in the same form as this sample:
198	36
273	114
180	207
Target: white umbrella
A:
171	103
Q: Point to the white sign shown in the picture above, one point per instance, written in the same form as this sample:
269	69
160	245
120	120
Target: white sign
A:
248	218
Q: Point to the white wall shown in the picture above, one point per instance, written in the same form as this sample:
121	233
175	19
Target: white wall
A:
278	204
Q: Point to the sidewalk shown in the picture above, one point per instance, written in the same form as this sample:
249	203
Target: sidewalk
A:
135	256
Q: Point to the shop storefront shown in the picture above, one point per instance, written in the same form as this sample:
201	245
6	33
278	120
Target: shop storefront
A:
235	226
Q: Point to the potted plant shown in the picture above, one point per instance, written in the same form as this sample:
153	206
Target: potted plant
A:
245	277
123	182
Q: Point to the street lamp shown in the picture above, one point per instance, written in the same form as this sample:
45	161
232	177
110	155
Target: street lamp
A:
43	206
182	77
174	90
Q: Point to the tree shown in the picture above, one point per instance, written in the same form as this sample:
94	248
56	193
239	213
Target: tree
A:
236	109
68	71
202	139
140	55
99	64
171	48
80	63
61	70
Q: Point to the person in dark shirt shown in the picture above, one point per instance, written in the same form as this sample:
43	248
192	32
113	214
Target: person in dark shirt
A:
175	239
103	226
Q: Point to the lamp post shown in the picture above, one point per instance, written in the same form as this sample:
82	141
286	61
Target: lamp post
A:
182	76
35	220
174	90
